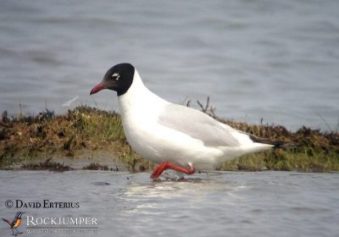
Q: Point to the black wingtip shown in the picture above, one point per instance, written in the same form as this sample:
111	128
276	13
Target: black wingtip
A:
276	144
284	145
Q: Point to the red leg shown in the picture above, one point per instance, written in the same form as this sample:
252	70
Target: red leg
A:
168	165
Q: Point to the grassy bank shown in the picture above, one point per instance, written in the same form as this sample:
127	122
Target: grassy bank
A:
45	141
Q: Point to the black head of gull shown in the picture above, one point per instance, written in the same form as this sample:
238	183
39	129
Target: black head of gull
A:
118	78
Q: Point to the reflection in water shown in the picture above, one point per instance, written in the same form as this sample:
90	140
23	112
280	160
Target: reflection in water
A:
148	197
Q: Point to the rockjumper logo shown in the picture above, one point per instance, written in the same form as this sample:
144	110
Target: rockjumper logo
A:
61	224
61	221
15	223
50	224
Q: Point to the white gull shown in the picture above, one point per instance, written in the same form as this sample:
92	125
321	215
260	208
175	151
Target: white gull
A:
174	136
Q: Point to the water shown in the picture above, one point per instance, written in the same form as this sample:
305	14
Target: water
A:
214	204
276	60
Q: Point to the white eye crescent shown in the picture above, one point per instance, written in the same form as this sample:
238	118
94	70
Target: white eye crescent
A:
115	76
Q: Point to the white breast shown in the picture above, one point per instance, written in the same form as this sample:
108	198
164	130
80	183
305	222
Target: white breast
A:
140	109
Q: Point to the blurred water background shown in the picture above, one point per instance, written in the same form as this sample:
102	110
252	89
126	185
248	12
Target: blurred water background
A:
276	60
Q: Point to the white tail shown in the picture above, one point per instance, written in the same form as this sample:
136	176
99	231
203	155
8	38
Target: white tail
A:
234	152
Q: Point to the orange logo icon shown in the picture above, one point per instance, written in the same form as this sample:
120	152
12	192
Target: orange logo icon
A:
15	223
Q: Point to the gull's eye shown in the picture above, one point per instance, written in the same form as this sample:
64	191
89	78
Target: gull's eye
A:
115	76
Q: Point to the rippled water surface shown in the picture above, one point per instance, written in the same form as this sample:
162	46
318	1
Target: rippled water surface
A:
215	204
276	60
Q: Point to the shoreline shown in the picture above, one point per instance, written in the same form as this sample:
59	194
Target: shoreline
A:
88	138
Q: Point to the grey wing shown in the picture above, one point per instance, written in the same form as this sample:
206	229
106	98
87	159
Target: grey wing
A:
197	125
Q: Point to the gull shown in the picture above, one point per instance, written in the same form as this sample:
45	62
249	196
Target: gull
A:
173	136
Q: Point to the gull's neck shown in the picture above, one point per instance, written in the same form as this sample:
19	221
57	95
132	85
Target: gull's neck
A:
139	98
